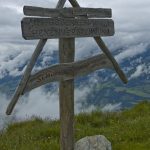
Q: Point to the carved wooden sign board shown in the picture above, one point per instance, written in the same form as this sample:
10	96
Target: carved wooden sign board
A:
50	28
65	24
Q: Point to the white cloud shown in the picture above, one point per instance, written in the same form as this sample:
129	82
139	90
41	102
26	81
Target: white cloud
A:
132	51
140	70
3	105
111	107
80	96
46	104
39	103
12	62
13	56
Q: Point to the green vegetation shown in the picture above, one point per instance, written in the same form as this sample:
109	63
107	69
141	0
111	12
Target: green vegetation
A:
138	90
134	90
127	130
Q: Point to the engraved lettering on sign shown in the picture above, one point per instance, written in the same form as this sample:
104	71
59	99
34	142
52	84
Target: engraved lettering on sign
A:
37	28
45	75
68	71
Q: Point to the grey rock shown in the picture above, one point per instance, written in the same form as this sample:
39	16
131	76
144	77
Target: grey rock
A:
97	142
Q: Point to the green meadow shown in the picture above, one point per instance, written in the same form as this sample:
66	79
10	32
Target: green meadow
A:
127	130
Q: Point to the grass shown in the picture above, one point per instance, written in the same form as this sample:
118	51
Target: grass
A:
134	91
127	130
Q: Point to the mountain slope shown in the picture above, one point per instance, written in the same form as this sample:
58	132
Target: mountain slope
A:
126	130
104	85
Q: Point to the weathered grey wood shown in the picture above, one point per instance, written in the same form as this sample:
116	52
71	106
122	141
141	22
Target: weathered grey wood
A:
61	3
41	28
67	71
68	12
66	116
28	70
26	76
74	3
66	96
112	59
105	49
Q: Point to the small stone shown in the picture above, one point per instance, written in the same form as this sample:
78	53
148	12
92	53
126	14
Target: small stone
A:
97	142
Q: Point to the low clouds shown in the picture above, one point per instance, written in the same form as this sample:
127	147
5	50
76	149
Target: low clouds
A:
140	70
11	61
45	104
112	107
39	103
132	51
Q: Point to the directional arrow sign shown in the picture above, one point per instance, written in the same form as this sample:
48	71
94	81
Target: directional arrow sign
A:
49	28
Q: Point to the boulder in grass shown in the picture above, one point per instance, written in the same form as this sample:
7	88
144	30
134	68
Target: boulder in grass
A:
97	142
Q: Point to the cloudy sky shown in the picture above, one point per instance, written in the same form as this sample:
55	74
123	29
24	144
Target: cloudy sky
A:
132	25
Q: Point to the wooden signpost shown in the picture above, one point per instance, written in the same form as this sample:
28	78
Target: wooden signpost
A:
65	24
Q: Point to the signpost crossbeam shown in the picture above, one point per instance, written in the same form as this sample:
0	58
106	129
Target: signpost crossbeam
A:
67	71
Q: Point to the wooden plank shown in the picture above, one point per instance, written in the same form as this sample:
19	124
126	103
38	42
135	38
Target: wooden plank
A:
105	49
25	78
74	3
68	12
41	28
66	96
67	71
117	68
61	3
68	121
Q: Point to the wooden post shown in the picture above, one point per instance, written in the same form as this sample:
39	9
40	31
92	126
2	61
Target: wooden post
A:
66	97
20	89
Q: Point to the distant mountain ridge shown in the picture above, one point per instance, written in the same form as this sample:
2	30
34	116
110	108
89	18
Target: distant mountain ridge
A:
105	86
